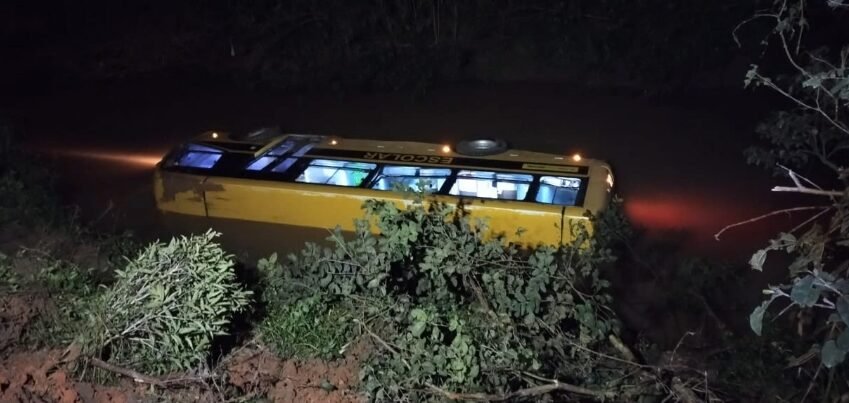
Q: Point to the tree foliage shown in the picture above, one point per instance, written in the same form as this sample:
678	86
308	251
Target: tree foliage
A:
391	44
807	144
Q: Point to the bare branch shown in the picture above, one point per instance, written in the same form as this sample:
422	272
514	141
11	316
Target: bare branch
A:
754	17
807	190
710	311
622	348
767	215
790	57
382	342
800	188
819	90
142	378
810	220
684	393
802	104
837	4
802	24
821	60
555	385
795	177
812	384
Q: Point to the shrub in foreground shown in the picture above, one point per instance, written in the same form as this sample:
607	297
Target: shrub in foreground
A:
308	328
164	309
25	186
450	309
72	290
67	287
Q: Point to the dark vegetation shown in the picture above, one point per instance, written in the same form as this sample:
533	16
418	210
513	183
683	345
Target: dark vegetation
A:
806	144
646	45
429	309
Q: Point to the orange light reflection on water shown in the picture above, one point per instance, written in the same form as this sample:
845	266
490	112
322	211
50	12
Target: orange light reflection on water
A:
697	218
136	160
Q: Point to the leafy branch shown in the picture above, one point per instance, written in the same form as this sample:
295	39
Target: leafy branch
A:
454	308
166	306
813	135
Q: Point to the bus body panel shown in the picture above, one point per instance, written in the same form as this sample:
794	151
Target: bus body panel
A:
318	206
178	192
285	203
523	223
598	187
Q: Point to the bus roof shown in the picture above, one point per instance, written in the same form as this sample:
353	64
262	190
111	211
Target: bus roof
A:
336	147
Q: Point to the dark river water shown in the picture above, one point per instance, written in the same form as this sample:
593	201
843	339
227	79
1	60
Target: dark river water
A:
679	163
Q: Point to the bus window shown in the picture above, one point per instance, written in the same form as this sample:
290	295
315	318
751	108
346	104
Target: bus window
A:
338	173
558	190
260	163
284	165
409	177
197	156
492	185
288	162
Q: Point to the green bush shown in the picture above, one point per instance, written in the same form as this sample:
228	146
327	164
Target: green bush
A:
9	280
72	290
25	196
166	306
449	308
68	287
308	329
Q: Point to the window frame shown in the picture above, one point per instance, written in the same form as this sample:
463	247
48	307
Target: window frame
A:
172	161
530	196
295	151
225	167
306	163
273	154
579	194
528	193
441	191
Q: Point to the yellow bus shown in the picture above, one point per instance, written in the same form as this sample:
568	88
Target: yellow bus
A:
321	181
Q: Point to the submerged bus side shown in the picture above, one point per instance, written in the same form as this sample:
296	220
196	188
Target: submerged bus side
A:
328	206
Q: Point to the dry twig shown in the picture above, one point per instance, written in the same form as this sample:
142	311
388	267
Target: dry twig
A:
684	393
807	190
622	348
142	378
382	342
527	392
767	215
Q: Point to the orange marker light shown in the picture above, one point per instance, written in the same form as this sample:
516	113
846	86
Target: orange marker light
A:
214	135
333	142
577	158
446	149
